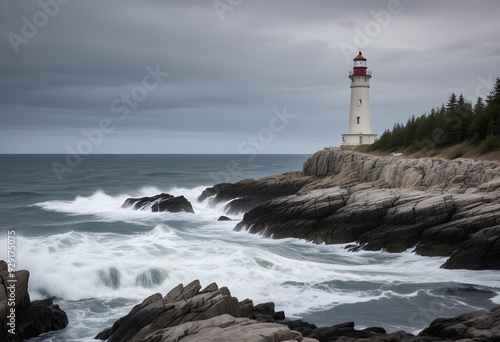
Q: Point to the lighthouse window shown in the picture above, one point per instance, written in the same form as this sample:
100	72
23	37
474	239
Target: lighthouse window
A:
360	140
365	79
358	119
360	102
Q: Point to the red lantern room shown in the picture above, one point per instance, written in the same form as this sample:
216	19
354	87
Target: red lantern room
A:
359	68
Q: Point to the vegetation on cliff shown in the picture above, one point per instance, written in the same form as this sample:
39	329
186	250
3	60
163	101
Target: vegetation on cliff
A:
456	122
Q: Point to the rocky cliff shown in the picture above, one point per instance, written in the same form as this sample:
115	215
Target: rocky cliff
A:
439	207
25	318
338	167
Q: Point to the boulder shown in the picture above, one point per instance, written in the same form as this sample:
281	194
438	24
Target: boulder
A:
31	318
160	203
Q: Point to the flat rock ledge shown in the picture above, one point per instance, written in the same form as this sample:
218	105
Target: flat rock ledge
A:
30	318
190	314
439	207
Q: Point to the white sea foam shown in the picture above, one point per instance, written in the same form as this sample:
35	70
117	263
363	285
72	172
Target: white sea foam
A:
109	208
78	265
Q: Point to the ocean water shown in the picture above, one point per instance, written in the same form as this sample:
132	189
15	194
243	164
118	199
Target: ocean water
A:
99	260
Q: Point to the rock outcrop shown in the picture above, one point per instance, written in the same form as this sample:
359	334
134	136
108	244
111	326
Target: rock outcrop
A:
246	194
464	226
440	207
432	174
479	326
188	313
476	326
28	319
161	202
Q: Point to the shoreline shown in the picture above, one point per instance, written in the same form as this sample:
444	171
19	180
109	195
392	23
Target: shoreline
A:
348	176
212	315
439	207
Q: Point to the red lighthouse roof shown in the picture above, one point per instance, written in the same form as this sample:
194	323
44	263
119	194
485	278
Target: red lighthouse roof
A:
360	57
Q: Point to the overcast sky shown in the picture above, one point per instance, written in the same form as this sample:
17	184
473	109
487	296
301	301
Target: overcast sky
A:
229	76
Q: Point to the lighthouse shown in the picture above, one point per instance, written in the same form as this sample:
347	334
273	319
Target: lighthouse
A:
359	111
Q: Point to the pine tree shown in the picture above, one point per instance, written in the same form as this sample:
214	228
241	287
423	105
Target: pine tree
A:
449	124
493	110
478	129
464	111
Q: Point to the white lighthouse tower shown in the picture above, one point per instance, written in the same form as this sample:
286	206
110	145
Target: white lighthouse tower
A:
359	112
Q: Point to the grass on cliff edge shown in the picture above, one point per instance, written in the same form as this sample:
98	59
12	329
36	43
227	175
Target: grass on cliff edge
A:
463	150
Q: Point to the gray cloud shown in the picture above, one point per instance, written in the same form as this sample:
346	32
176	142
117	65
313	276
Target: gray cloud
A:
226	77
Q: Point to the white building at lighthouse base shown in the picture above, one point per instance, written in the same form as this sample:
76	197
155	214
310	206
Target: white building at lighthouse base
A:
353	139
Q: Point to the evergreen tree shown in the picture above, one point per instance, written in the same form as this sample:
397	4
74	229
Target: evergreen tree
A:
493	110
478	129
464	111
450	124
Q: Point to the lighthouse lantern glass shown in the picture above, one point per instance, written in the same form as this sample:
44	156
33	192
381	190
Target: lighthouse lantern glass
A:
360	63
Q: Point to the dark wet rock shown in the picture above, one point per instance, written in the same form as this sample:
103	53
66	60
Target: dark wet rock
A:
160	203
42	316
480	251
479	326
31	318
224	218
246	194
475	326
377	330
